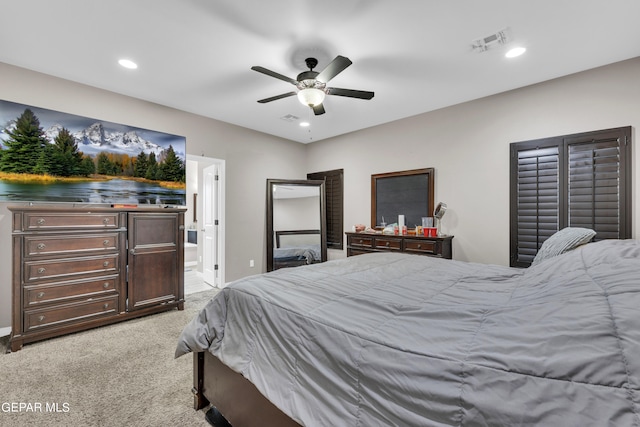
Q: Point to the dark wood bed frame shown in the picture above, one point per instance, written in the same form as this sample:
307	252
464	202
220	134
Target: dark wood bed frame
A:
237	399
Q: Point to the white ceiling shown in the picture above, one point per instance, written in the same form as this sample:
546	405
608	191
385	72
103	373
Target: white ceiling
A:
416	55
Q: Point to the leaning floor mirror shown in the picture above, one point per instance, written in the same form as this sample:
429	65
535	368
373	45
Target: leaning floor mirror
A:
296	230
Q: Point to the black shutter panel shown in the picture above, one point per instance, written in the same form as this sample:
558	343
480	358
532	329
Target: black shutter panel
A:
597	183
334	205
536	202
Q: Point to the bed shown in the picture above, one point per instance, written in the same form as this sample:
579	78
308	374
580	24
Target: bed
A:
296	247
391	339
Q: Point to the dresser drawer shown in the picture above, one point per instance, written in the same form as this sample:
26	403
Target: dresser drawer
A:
361	241
59	269
62	292
421	246
69	220
388	243
70	245
69	313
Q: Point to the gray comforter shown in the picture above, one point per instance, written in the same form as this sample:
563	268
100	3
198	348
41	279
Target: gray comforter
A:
404	340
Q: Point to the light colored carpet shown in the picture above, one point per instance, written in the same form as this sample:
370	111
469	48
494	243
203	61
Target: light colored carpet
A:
118	375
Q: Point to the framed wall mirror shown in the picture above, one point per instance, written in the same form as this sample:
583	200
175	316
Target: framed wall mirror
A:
296	223
408	193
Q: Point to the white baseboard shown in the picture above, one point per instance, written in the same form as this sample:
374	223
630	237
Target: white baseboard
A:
5	331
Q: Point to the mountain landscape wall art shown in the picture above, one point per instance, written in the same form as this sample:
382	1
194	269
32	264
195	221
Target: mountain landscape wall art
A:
51	156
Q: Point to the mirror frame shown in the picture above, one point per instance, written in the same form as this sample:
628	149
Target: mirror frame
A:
323	222
429	172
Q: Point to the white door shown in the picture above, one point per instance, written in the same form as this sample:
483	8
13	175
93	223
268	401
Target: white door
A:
210	232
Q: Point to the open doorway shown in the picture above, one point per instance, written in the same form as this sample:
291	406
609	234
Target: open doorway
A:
205	218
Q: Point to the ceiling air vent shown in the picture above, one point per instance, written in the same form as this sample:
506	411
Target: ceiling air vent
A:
290	118
486	43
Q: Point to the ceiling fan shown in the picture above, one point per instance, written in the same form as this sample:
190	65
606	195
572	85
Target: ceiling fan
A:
312	85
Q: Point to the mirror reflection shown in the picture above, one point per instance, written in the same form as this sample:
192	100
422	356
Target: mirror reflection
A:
296	232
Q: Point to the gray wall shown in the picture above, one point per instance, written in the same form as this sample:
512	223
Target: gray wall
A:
467	144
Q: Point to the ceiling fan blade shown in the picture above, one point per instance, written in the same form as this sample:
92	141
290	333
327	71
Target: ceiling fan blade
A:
350	93
333	69
274	98
274	74
318	109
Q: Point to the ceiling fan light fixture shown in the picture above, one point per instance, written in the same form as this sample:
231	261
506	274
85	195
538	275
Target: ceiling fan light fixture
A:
311	96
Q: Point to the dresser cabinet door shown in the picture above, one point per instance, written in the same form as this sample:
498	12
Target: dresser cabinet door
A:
156	259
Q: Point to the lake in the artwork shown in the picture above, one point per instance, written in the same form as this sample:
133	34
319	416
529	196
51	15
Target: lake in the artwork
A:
112	191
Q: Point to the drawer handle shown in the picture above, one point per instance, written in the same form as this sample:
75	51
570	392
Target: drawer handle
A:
105	285
41	270
361	241
40	318
41	246
106	305
105	221
40	294
40	221
419	246
105	242
387	244
105	264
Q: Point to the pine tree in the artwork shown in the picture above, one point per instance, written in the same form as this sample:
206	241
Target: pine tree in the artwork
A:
140	168
87	166
46	163
104	165
172	168
24	145
67	155
152	167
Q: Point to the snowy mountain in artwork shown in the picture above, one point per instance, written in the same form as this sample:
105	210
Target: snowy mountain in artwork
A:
96	138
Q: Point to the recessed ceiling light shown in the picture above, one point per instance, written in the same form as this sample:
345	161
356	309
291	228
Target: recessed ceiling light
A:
126	63
304	124
516	51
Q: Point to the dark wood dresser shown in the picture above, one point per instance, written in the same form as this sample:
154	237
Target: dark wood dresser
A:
79	268
361	243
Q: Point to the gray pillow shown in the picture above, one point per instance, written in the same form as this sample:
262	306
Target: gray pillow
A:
563	241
